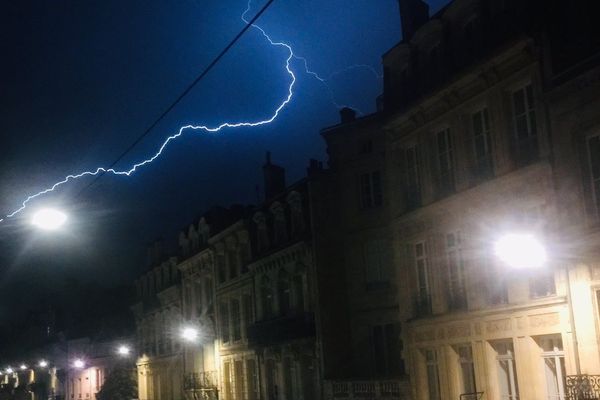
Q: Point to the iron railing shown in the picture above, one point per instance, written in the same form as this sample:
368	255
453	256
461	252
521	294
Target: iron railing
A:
583	387
471	396
366	389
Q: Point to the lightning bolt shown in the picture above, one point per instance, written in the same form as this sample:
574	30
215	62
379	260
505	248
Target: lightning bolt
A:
324	80
208	129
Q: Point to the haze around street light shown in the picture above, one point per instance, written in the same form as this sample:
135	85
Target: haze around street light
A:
49	219
520	250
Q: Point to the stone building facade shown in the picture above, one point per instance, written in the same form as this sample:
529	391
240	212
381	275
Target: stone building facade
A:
158	320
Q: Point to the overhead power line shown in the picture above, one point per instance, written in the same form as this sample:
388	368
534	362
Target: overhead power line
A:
187	90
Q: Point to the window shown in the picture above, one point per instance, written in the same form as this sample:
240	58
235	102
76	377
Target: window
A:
233	262
387	350
221	272
248	314
365	146
208	291
198	296
288	388
284	292
299	292
227	380
433	380
553	358
262	232
525	129
377	270
467	368
542	284
236	320
594	159
482	144
252	379
422	271
413	178
445	162
456	272
507	371
496	282
370	190
266	294
224	318
238	368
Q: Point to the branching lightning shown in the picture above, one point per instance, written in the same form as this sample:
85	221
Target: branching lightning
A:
214	129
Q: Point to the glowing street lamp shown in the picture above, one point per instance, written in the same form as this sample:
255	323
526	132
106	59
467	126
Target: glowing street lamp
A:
9	370
49	219
79	364
23	367
124	351
43	364
520	251
190	334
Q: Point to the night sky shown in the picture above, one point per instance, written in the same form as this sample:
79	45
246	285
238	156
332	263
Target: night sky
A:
82	79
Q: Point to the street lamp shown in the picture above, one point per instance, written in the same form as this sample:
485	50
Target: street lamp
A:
79	364
124	351
9	370
520	251
23	367
43	364
189	334
48	219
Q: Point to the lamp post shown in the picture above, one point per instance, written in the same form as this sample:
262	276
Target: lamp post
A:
49	219
525	251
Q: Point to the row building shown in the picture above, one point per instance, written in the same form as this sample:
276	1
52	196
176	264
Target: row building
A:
378	276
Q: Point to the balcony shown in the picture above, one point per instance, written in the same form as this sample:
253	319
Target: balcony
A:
201	381
364	390
282	329
583	387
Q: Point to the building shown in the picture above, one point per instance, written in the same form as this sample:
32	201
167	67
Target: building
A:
490	128
158	319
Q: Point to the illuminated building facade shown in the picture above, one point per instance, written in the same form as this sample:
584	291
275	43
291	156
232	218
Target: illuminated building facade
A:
158	320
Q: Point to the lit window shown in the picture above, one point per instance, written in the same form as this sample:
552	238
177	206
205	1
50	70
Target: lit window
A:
456	271
433	379
507	371
554	366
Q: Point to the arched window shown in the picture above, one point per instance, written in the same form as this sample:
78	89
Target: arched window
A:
284	292
266	296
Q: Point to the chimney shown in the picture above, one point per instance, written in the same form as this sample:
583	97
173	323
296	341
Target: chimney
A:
274	178
413	14
347	115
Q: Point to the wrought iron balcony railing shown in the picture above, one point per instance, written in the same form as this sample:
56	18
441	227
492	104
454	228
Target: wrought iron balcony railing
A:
583	387
366	389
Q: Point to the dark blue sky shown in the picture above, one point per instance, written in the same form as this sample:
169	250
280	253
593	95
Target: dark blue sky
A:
82	79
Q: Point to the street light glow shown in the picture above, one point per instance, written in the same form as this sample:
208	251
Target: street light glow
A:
520	250
79	363
124	351
9	370
49	219
189	334
43	364
23	367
